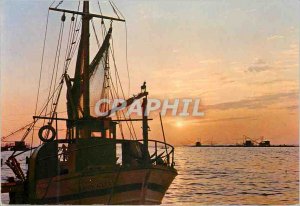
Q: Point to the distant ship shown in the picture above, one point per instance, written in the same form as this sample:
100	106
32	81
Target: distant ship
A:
198	144
15	146
249	142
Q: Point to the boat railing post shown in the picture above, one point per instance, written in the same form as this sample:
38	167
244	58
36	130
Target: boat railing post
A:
114	131
56	126
172	164
163	132
145	121
155	150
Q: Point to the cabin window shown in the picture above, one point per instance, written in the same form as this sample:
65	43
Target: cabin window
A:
96	134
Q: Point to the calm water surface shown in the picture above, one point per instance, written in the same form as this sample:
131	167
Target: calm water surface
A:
228	176
235	176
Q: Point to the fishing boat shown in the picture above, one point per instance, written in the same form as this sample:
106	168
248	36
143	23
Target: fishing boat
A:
90	164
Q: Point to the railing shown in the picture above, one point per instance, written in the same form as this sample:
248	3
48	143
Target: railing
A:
160	152
163	153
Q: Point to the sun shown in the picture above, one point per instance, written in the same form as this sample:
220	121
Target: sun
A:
179	124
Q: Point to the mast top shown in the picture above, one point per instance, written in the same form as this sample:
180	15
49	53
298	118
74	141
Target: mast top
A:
90	15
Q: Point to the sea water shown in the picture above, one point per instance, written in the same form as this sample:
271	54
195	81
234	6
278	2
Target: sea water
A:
225	175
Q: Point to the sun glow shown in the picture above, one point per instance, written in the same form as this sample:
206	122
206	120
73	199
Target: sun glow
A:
179	123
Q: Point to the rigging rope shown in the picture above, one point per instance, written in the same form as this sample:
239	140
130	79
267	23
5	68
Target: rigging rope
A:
31	127
60	89
57	65
122	91
126	45
128	125
55	60
97	40
118	80
41	69
59	3
68	59
114	9
69	41
42	61
73	40
75	36
16	131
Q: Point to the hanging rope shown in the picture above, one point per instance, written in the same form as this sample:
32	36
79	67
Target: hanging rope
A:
118	81
55	61
53	104
31	126
122	91
41	69
97	40
126	45
107	75
42	61
132	134
69	41
59	3
14	132
68	59
113	8
56	91
72	40
76	41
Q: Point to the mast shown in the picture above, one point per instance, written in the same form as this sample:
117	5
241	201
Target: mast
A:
145	118
79	92
86	60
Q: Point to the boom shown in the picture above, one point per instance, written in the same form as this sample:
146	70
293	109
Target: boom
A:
128	102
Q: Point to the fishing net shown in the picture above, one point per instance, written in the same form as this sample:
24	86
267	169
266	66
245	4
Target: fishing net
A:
97	86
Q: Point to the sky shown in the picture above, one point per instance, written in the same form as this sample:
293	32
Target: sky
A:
240	57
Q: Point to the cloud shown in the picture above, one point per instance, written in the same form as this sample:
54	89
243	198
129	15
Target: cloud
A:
292	52
294	107
228	119
255	103
226	80
197	120
287	59
275	37
258	66
209	61
274	81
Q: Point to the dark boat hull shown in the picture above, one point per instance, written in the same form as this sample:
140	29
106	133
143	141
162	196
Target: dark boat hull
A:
121	186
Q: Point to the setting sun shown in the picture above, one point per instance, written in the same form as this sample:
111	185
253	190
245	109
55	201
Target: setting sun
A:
179	123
